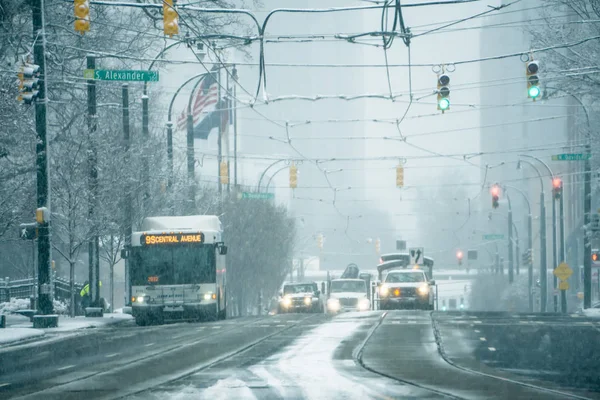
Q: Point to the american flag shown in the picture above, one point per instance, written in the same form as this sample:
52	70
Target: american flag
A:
205	101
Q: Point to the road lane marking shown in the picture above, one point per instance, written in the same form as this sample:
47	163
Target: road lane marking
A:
264	326
4	384
280	325
149	344
65	367
491	348
396	322
217	327
477	322
112	355
483	339
477	331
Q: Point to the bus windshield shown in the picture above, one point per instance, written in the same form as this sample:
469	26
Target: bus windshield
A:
173	265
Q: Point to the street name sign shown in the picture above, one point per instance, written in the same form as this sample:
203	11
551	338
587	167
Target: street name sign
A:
571	157
493	236
258	196
563	271
121	75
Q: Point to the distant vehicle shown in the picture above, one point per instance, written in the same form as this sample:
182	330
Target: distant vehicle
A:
300	297
406	289
177	270
348	295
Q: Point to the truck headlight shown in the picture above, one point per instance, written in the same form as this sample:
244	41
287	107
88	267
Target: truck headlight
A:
364	304
333	304
423	290
384	291
307	301
286	302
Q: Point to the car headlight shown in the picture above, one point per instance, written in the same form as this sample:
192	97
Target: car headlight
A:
384	290
364	304
286	302
423	290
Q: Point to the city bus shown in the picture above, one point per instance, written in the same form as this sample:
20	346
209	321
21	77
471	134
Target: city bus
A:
177	270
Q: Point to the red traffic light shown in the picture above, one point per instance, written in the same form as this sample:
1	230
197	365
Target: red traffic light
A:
495	191
556	183
459	255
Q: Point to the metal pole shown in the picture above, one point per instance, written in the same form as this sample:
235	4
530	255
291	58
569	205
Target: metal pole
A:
530	264
497	263
219	138
41	148
587	245
93	246
127	220
228	111
511	277
554	255
543	266
563	256
145	139
234	105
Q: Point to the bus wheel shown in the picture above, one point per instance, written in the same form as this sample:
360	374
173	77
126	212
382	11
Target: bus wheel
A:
223	314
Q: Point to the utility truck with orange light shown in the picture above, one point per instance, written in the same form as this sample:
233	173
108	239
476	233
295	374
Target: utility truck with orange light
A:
177	270
404	285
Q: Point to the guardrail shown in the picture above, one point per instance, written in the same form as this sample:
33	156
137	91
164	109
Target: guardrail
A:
27	288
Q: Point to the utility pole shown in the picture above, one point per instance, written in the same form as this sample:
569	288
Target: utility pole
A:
190	157
543	265
587	245
145	145
234	105
44	304
127	220
554	255
93	245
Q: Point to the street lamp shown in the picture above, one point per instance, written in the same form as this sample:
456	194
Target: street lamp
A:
554	246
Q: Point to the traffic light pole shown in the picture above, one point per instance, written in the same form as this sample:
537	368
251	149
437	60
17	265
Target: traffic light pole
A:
587	245
93	245
543	265
563	256
530	261
45	306
511	271
145	146
127	223
554	256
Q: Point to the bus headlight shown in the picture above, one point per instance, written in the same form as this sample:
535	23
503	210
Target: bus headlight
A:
364	304
141	298
207	296
384	290
423	290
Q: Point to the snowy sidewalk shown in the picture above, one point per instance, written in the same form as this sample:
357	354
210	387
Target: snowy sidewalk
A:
19	329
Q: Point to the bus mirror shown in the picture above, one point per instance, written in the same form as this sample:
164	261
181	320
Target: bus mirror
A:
223	250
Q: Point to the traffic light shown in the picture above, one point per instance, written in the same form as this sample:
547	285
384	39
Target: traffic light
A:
81	10
170	18
556	188
28	83
399	176
443	92
528	257
459	257
533	81
320	241
595	256
378	245
293	176
495	195
224	172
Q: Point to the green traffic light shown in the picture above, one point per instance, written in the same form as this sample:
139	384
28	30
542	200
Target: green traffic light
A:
444	104
534	92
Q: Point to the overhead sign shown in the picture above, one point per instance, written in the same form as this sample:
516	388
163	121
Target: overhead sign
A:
417	255
563	271
121	75
572	157
171	238
258	196
493	236
563	285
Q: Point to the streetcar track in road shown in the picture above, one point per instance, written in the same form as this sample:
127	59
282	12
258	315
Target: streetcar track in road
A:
358	353
138	360
215	361
442	352
4	385
65	367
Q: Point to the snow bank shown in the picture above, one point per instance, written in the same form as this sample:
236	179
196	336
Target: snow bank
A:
14	305
592	312
11	335
224	389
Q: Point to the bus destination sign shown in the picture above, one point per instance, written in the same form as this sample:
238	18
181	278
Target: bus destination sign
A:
171	238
